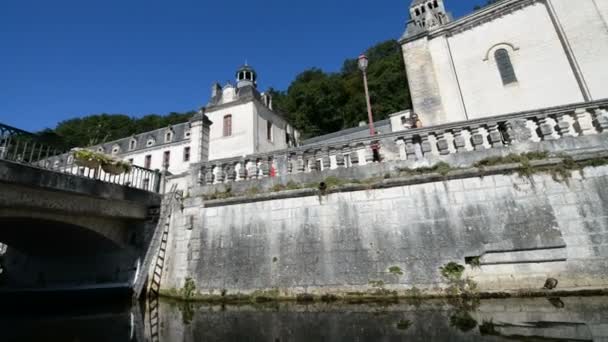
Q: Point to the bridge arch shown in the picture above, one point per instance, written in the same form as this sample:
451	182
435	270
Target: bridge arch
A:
54	234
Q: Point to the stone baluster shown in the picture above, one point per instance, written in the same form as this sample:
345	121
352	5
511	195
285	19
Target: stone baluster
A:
231	172
563	126
300	164
325	159
545	128
202	175
369	152
425	145
243	170
442	143
459	141
252	170
264	167
354	155
600	119
494	135
210	176
410	147
312	162
340	158
477	138
220	176
584	122
290	161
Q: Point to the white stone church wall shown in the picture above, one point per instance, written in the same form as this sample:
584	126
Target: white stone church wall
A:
587	33
544	75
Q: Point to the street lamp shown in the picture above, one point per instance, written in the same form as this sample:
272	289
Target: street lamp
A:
363	63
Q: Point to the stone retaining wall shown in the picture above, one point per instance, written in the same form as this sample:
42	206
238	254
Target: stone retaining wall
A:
515	231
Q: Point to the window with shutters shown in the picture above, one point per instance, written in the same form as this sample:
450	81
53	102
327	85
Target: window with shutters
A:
227	125
505	67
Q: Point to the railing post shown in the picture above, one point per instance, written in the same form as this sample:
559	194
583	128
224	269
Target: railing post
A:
477	138
325	160
584	123
546	128
563	126
494	135
354	155
600	119
425	145
459	141
442	143
410	148
157	180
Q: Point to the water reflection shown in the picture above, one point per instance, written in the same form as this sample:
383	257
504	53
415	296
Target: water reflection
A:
541	319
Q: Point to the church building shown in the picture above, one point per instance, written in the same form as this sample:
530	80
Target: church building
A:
511	56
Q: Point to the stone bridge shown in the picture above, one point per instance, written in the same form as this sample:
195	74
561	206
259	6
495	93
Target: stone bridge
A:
64	231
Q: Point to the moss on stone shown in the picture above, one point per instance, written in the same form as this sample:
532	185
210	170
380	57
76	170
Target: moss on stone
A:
396	270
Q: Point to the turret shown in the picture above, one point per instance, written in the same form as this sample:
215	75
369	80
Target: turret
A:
246	76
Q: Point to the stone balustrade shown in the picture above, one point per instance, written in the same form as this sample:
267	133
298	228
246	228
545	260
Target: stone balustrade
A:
420	146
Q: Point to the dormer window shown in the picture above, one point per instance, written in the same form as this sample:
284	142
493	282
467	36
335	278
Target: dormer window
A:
417	12
150	142
100	149
132	144
187	134
168	136
115	150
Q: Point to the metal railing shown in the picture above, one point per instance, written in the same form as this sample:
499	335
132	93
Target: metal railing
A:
419	146
26	150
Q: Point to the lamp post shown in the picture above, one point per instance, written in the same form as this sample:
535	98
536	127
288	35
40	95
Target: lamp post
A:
363	62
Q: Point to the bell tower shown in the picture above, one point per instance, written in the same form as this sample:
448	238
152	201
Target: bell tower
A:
426	15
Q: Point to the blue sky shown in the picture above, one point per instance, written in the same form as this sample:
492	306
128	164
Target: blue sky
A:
65	58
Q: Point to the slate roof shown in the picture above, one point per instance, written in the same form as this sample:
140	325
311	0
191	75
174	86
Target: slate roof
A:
157	135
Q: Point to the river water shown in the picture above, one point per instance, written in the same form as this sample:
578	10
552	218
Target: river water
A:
538	319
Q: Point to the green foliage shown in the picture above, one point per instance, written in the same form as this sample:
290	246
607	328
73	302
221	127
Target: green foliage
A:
404	324
452	271
318	103
189	289
396	270
101	128
463	321
442	168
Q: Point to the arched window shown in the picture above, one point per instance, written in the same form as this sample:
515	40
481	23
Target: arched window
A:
168	136
132	144
228	125
505	67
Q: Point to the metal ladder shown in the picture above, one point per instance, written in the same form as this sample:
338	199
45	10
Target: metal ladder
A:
158	246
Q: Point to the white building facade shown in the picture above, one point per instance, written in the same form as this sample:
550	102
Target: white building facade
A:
237	121
512	56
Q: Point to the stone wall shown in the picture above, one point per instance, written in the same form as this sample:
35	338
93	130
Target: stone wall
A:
519	230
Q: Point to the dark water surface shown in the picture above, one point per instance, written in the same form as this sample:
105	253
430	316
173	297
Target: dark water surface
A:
538	319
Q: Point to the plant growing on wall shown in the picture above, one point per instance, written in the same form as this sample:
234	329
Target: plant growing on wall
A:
93	160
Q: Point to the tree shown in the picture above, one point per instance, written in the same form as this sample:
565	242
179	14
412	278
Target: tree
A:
320	103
